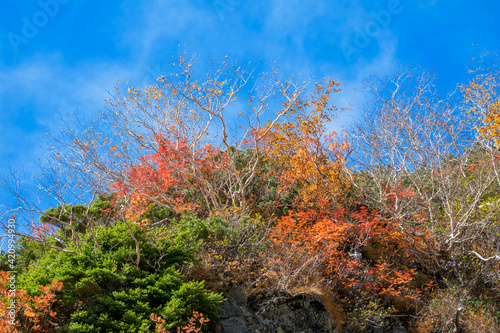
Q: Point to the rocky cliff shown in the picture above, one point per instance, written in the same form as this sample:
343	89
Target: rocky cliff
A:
282	315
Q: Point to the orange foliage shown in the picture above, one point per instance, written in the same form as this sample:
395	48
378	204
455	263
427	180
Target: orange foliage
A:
482	98
196	320
20	310
307	157
329	235
182	175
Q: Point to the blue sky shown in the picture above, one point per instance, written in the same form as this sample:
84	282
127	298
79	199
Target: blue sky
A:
64	55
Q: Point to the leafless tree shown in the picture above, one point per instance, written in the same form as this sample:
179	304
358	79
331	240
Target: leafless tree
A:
232	108
419	161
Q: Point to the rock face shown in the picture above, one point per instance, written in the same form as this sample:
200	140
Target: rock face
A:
290	315
296	315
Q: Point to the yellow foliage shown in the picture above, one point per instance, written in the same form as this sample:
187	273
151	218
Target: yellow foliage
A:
307	157
481	96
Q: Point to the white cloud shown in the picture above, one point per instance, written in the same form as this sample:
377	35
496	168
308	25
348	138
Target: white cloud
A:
47	84
34	91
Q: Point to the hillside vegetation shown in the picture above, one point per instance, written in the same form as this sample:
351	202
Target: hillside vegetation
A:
199	183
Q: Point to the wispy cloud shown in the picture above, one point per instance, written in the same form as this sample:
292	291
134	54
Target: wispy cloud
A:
34	91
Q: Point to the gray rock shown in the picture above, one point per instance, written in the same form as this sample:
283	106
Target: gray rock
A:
245	311
297	315
257	329
238	296
229	309
234	325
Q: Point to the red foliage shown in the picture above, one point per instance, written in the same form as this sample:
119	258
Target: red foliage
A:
169	176
43	230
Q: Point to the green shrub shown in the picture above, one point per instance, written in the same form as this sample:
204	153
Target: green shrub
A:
105	291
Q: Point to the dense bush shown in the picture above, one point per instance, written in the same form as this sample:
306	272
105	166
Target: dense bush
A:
105	290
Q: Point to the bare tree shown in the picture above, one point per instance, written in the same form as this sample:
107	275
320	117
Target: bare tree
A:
419	161
173	121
